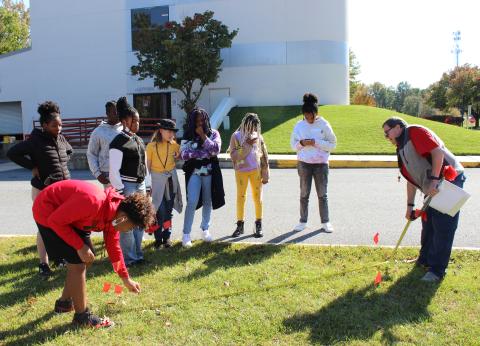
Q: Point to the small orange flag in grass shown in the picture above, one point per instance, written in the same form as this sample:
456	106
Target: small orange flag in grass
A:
375	238
118	289
106	287
378	279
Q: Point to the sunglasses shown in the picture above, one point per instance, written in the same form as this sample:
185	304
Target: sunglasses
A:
119	220
386	132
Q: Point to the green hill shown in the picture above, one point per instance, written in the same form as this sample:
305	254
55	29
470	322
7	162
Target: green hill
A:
358	129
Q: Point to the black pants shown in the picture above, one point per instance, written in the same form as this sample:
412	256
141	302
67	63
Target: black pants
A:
58	249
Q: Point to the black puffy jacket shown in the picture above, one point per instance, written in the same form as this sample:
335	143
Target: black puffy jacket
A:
50	155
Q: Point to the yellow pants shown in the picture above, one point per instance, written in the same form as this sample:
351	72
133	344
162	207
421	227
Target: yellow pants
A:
255	179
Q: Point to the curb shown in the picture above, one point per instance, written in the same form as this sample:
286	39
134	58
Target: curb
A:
465	248
79	161
344	161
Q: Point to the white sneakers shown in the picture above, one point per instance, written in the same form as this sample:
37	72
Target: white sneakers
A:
187	242
327	227
207	237
300	227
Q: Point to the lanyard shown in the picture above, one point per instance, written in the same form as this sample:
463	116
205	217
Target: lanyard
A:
166	158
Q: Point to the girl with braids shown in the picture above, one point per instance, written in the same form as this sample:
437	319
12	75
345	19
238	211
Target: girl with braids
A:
46	153
250	161
128	173
313	140
200	146
66	213
162	152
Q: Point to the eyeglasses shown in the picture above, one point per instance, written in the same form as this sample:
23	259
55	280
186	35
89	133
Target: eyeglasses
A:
119	220
386	132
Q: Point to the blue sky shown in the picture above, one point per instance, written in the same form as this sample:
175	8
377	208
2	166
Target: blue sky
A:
411	40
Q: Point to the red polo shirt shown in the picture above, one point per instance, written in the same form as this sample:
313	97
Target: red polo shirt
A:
84	206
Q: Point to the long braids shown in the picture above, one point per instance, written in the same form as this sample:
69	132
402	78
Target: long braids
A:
250	123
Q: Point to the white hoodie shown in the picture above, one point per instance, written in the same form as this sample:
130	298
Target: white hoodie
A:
321	132
99	146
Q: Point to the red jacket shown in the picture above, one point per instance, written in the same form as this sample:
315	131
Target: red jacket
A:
81	205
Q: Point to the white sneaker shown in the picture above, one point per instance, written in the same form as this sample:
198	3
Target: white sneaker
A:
300	227
207	236
327	227
186	241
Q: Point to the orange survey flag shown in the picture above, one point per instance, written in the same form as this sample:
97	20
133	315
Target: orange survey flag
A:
378	279
106	287
118	289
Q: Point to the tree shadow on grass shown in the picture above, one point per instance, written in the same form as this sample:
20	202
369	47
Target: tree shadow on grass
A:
25	282
360	313
226	257
26	250
24	336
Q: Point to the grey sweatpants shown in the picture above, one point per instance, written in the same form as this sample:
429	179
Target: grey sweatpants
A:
319	172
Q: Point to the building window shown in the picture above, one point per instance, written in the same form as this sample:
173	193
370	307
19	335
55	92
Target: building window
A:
146	19
156	106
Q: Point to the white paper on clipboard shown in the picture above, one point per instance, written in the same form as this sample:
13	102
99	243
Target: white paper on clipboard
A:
449	199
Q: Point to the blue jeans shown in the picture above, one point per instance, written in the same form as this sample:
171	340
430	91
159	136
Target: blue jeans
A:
131	241
195	184
437	237
164	214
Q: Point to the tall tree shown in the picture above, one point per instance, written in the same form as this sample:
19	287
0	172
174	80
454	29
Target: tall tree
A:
184	56
384	96
437	93
353	71
14	26
412	105
403	90
462	87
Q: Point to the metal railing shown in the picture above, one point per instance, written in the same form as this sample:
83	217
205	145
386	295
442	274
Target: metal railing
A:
77	131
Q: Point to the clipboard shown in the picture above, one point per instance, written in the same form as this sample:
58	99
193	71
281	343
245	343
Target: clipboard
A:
449	199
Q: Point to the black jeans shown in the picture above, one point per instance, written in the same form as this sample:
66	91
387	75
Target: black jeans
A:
319	173
437	237
164	214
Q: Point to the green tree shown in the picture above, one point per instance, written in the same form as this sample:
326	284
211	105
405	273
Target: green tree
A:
14	26
462	87
184	56
437	93
403	90
384	96
412	105
353	71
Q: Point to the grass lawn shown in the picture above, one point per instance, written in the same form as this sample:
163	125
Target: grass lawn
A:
229	294
358	129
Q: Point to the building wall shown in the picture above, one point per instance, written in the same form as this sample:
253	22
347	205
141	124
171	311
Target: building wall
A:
277	55
77	59
81	54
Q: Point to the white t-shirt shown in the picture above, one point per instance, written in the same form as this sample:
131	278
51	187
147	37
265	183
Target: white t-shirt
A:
321	132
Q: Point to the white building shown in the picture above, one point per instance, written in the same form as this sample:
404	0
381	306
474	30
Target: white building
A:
82	52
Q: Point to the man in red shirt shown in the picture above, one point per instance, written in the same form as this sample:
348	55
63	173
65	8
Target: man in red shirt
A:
66	213
422	158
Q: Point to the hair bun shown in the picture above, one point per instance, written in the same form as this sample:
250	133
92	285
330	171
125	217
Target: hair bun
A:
310	98
122	104
47	108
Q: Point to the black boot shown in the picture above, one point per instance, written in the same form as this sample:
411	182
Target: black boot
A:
44	270
239	230
258	229
166	238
